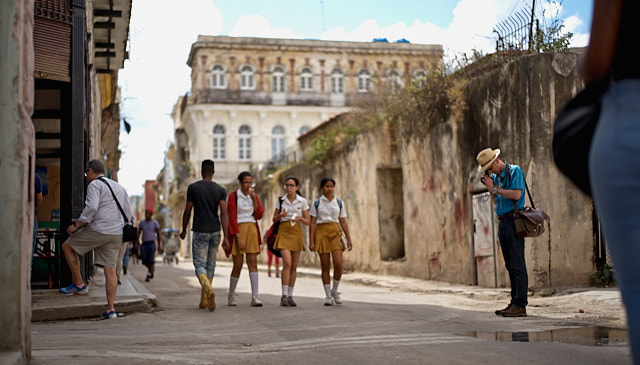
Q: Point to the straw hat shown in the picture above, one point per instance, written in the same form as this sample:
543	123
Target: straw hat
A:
486	157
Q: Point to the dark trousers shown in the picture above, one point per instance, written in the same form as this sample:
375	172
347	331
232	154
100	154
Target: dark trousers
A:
513	253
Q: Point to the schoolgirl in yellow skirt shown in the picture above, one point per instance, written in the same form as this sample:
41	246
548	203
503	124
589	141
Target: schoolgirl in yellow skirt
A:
243	211
328	222
292	211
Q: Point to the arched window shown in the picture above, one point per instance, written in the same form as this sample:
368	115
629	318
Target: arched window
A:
364	81
246	78
277	143
306	79
218	142
304	129
337	81
244	143
278	80
217	78
395	81
420	77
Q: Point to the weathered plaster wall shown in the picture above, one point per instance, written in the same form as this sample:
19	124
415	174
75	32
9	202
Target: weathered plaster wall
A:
511	108
17	156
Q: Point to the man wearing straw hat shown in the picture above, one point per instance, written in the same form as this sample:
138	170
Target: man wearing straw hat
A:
505	182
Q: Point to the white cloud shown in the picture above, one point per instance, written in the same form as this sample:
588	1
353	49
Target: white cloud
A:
259	26
153	77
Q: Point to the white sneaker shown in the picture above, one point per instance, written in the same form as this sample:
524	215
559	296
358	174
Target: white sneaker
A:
328	301
232	299
255	301
336	298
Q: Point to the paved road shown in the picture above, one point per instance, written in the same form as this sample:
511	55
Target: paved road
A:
375	325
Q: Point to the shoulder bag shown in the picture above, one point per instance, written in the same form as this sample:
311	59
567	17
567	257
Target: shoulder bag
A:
572	134
272	233
129	232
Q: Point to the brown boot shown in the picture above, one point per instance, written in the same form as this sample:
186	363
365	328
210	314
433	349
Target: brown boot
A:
211	297
515	311
203	299
499	311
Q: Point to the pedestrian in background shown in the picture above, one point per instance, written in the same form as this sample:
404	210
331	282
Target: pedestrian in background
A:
244	211
328	221
99	228
37	201
292	212
614	167
149	230
505	183
271	258
206	197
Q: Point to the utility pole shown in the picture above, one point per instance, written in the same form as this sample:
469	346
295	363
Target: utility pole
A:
533	10
322	14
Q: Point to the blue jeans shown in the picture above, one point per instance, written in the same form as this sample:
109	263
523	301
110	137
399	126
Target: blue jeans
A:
513	253
204	248
614	168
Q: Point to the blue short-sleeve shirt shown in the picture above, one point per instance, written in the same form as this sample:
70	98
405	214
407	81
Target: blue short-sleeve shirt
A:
515	181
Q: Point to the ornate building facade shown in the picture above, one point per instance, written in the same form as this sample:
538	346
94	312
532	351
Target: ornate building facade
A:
251	98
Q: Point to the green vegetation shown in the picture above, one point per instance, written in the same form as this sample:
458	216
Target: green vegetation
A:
604	278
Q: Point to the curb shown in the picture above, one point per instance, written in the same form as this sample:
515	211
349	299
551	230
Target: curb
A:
144	301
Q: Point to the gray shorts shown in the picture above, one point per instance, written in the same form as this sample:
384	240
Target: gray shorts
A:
105	246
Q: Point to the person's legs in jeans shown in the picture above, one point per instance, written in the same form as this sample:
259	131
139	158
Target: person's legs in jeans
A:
505	245
513	253
614	169
203	248
212	253
125	259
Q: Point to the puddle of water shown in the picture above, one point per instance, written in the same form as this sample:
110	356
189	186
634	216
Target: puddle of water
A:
587	336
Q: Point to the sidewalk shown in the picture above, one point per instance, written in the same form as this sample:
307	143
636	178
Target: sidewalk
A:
599	306
50	304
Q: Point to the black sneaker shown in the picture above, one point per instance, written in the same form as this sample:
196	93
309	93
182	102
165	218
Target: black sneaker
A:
291	302
148	278
284	302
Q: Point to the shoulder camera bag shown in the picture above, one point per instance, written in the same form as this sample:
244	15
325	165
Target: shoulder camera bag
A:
129	232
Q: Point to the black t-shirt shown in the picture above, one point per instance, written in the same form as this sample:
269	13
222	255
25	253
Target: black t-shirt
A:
205	196
625	63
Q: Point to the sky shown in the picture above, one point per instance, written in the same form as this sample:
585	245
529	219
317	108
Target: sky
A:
160	39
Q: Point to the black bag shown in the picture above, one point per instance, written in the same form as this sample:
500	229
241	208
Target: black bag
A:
572	134
271	235
129	232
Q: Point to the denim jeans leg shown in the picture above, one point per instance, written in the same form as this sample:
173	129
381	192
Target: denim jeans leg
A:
199	251
614	170
513	253
214	242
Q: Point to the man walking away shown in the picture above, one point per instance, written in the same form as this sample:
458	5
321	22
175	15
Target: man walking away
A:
99	228
206	198
150	231
505	182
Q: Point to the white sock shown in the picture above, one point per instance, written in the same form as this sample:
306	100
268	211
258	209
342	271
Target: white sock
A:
233	282
285	290
290	291
253	276
327	290
336	283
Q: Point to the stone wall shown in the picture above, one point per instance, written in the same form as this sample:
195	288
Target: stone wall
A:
17	162
511	108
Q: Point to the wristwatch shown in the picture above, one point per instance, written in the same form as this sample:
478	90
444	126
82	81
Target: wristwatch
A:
495	190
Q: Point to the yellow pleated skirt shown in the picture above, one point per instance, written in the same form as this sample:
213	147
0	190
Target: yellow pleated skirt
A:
289	238
249	233
327	237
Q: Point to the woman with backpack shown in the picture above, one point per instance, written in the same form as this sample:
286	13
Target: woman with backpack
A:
292	210
329	236
244	210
